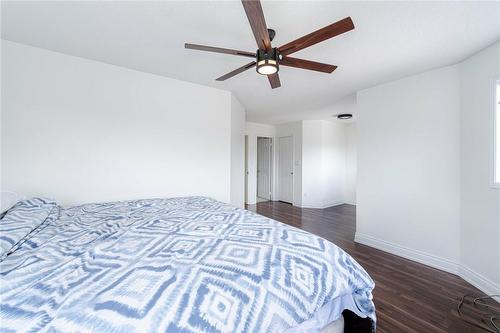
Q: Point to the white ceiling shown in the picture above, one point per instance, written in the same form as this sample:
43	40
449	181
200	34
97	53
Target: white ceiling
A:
391	40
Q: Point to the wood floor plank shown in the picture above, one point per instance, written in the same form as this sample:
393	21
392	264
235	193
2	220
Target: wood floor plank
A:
409	296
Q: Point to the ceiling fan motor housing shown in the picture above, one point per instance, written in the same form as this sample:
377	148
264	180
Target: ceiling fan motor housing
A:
271	33
267	62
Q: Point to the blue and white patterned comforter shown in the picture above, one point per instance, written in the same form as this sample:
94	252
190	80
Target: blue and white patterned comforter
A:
172	265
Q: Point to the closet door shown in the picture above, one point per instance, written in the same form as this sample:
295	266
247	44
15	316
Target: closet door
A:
264	168
285	169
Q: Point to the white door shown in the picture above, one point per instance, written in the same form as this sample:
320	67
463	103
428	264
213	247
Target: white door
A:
285	169
264	168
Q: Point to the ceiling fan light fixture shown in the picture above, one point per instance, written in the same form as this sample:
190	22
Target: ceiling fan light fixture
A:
267	62
267	67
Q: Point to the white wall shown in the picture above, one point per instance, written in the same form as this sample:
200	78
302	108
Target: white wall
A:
425	166
253	130
480	203
237	153
408	189
334	163
323	163
312	164
351	164
79	131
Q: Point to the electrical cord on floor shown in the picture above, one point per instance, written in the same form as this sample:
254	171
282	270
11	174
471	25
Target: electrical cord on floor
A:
489	314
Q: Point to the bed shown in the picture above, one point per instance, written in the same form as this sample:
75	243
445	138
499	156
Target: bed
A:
190	264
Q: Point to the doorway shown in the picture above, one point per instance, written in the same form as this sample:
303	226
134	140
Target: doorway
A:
285	169
264	169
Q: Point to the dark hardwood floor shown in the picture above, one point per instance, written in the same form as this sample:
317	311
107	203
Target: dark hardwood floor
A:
409	297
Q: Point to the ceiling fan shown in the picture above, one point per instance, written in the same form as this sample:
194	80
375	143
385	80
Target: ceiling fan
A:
268	59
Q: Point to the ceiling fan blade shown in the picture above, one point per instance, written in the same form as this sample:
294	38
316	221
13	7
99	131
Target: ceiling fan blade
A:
317	36
255	16
236	71
274	80
307	64
219	50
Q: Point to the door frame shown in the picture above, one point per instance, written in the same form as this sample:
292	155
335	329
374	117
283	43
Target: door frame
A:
271	166
278	168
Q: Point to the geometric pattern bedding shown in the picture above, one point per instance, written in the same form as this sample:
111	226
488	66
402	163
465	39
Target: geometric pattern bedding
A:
189	264
20	222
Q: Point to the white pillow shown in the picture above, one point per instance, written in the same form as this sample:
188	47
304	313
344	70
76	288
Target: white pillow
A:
9	199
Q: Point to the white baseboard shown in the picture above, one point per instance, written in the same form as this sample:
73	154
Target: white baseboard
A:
332	204
408	253
477	280
322	205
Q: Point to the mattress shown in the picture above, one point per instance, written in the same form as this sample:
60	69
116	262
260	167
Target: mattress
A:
335	327
189	264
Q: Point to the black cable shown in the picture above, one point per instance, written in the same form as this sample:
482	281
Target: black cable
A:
491	312
495	308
